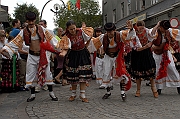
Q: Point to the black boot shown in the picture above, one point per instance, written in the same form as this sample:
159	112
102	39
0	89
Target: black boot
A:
53	99
32	92
50	88
123	96
159	91
122	88
30	99
107	94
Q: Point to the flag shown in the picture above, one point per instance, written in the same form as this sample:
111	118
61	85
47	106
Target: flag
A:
78	5
69	5
73	2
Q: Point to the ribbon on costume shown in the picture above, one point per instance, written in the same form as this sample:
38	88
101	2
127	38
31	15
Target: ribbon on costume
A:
45	46
120	66
164	63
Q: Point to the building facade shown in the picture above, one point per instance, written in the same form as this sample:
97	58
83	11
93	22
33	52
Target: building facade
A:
151	11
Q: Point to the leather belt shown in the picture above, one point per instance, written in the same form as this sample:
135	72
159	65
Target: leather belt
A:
101	56
36	53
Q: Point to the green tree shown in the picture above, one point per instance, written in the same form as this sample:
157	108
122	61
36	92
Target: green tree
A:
89	13
21	10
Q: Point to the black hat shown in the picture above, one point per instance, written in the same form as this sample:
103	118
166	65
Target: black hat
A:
165	24
98	29
109	26
30	16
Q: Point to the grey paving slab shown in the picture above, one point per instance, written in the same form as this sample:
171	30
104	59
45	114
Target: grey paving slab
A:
167	106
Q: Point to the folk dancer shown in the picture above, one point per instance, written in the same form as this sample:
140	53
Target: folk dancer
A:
77	67
142	61
113	45
166	72
37	68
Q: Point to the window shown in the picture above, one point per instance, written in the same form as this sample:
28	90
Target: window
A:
114	15
154	1
122	10
129	8
142	4
105	19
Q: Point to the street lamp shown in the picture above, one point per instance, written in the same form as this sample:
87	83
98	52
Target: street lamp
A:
56	7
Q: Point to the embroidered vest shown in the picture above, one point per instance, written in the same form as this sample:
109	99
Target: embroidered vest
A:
77	41
158	41
112	52
27	34
143	37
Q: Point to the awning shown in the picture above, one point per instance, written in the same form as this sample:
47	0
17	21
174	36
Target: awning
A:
3	15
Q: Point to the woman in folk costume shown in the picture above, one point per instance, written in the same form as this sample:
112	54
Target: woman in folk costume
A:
142	62
166	72
113	45
77	64
39	41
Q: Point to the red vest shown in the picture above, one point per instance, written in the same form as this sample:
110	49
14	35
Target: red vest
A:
77	41
27	34
112	52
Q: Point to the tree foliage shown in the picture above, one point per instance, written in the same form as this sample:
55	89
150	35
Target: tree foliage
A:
21	10
89	13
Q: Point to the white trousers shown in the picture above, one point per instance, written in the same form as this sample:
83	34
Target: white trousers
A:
173	77
99	70
32	70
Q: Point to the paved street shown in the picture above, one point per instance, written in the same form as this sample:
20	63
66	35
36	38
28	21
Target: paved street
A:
167	106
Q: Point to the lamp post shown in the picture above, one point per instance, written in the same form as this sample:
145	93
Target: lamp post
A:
56	7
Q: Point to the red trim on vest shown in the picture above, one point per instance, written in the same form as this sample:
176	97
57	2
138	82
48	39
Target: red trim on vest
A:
77	41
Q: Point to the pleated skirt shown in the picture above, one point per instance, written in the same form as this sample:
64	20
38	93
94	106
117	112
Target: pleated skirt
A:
77	66
142	64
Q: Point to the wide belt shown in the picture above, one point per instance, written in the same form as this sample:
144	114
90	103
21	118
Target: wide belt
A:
36	53
112	52
101	56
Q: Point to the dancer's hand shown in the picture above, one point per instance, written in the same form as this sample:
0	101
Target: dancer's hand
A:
5	53
83	24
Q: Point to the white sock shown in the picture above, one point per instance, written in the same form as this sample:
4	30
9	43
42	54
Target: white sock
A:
82	93
122	92
52	94
109	92
73	93
32	95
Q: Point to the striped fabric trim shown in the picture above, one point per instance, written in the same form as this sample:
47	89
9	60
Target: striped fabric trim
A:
106	82
18	41
174	33
48	36
10	48
167	81
97	43
124	35
98	78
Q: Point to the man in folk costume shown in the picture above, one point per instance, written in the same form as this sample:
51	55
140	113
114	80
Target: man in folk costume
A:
113	45
99	59
166	72
39	41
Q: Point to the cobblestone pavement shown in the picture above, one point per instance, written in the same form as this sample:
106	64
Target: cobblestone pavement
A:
167	106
